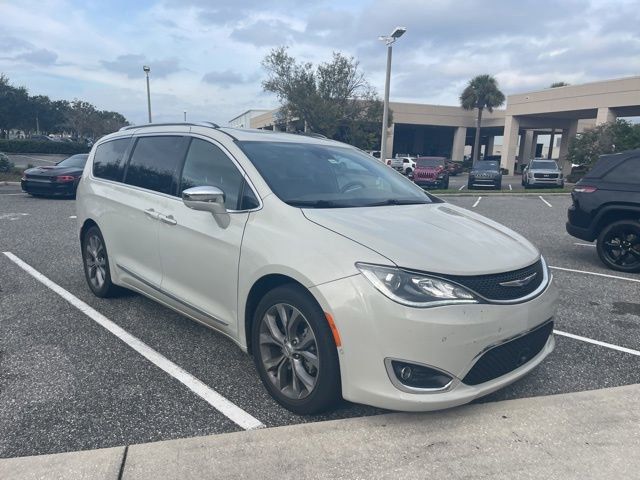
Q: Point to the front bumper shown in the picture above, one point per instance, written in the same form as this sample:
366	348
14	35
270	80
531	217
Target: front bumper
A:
46	187
452	338
429	183
546	182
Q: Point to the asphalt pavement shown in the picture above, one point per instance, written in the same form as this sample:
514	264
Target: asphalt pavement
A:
68	384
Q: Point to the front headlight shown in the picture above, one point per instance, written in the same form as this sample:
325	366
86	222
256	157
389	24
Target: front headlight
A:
413	289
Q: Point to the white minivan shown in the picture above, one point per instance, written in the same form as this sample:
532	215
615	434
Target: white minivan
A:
294	247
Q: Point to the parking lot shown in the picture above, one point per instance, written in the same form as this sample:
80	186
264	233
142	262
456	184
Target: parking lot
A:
67	383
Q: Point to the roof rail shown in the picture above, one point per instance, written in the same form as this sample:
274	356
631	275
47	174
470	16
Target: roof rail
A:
311	134
168	124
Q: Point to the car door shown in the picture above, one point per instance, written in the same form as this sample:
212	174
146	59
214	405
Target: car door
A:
149	178
200	255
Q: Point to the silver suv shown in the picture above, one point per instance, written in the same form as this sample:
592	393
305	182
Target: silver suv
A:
541	173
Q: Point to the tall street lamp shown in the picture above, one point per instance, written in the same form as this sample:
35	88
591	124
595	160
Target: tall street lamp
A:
146	71
389	40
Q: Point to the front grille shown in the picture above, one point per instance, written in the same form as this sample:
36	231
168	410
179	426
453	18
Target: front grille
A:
426	174
507	357
545	175
488	286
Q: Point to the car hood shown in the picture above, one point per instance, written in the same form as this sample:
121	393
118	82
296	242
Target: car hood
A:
53	171
437	238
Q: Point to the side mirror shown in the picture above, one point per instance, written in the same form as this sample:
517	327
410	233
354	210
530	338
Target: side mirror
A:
206	199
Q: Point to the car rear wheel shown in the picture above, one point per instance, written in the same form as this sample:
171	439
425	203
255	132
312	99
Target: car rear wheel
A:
294	351
408	171
96	264
619	246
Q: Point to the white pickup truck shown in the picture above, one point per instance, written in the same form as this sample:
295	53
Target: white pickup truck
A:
405	165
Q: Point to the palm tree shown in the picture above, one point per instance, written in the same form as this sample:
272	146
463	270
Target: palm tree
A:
481	92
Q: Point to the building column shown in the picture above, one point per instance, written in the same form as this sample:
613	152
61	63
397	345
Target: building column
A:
459	141
605	115
489	148
567	135
526	144
534	145
390	133
510	142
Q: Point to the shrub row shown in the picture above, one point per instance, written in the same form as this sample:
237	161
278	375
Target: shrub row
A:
34	146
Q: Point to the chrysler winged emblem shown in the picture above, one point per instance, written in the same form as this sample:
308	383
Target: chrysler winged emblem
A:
521	282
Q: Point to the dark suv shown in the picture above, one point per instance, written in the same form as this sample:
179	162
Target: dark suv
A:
606	207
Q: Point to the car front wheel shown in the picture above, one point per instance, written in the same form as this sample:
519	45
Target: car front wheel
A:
294	351
619	246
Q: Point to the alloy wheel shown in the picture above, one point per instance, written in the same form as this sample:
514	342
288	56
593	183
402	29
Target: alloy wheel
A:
95	261
621	246
289	351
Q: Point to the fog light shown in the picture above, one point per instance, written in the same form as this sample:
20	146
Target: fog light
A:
419	376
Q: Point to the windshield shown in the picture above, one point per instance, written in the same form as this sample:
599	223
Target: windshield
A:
74	161
486	165
544	165
429	162
328	176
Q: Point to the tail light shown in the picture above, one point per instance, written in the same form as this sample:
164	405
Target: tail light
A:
65	178
584	189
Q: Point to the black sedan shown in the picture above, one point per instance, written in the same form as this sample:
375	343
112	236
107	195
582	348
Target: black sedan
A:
485	173
59	179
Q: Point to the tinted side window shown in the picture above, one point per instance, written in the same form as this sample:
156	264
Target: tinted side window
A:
108	161
627	172
206	164
154	162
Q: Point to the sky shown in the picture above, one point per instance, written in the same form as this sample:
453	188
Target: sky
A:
205	55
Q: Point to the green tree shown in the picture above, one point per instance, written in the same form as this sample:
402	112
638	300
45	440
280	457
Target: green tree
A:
481	92
609	137
558	84
333	99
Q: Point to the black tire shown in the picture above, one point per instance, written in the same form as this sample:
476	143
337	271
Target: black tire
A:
327	389
408	171
446	184
469	186
613	252
499	186
107	288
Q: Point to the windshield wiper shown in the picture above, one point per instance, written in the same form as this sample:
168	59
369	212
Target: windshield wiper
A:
317	204
393	201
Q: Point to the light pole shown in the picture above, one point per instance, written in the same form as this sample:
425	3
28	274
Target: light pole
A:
389	40
146	71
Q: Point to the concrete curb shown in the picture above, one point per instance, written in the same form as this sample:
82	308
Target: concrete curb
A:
584	435
6	184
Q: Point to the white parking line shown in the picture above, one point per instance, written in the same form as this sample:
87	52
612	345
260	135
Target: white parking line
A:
510	187
596	274
461	188
213	398
477	202
548	204
597	342
7	194
73	216
585	244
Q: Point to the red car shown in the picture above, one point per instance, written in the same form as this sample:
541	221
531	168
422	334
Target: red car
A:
431	172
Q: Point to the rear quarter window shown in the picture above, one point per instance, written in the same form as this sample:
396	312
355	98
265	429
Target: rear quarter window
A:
108	160
627	172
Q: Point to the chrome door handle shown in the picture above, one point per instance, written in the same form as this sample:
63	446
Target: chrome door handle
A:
151	213
168	219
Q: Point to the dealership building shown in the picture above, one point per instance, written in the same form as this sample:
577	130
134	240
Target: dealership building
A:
515	133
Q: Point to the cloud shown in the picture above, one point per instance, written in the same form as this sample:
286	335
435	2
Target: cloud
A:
41	57
265	33
225	79
131	65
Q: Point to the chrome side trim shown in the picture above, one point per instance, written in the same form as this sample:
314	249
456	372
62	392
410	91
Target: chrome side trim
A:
400	386
167	294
